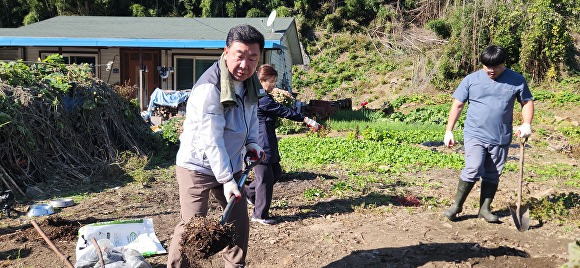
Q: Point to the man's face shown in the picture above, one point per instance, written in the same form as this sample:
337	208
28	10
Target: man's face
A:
242	59
494	71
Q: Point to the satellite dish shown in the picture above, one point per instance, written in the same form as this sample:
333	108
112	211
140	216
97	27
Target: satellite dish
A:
271	18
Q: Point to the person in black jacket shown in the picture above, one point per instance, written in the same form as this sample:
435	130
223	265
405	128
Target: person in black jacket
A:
259	193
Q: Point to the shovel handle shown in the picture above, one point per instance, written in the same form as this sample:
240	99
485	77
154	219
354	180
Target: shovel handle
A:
232	199
62	257
521	173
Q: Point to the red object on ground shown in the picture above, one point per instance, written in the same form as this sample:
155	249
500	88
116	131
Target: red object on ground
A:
408	201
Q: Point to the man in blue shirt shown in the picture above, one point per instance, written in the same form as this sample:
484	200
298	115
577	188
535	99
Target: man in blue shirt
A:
491	93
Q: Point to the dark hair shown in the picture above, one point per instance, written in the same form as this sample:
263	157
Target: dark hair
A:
493	55
245	34
266	71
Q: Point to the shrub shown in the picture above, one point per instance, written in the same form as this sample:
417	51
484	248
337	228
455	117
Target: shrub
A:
440	27
255	13
172	129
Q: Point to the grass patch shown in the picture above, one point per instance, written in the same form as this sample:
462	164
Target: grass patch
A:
570	131
78	198
559	172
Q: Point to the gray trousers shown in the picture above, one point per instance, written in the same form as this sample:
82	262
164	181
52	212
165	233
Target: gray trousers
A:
261	189
483	160
194	189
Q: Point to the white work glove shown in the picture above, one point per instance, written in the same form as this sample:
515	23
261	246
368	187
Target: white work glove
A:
312	124
524	131
256	150
231	188
449	140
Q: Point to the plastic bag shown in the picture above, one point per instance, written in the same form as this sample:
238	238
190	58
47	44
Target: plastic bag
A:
136	234
112	257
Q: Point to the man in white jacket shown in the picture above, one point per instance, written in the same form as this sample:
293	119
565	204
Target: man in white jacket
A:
221	121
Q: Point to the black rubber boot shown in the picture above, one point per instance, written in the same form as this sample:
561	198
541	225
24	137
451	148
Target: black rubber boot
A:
463	189
487	193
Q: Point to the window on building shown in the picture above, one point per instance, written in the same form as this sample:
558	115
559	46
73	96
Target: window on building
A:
74	58
189	68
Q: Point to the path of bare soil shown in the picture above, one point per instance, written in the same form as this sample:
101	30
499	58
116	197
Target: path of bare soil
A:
383	228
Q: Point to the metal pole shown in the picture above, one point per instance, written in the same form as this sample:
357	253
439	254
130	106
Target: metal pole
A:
141	99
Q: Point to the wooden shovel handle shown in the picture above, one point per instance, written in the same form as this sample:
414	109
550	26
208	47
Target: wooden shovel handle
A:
521	173
52	246
99	252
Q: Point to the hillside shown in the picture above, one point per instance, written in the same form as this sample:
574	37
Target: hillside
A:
363	68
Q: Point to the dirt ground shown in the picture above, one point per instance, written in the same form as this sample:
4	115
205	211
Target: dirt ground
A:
386	227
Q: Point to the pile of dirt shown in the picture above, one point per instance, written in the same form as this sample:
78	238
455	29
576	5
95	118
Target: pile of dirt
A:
55	228
203	237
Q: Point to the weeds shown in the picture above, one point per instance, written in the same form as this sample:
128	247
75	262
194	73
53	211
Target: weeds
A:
555	171
555	207
136	167
280	204
313	193
78	198
341	188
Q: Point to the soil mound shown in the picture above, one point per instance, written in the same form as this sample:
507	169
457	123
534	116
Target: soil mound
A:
204	237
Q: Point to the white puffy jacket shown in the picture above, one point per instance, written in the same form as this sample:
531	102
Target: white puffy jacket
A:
214	137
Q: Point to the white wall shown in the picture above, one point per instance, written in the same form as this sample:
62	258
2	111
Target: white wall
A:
107	55
282	59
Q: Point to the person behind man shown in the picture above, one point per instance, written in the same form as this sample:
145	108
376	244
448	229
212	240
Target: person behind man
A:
269	171
220	123
491	93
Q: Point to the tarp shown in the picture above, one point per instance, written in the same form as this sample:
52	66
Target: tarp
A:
161	97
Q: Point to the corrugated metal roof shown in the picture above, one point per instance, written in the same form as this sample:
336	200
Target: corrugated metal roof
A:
138	31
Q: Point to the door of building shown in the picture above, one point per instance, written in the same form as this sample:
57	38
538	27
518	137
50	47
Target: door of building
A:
139	68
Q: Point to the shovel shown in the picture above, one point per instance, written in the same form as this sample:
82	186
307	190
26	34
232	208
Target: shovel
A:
209	237
231	201
521	215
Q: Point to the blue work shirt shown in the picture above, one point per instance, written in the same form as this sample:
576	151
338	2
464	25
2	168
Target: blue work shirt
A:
491	104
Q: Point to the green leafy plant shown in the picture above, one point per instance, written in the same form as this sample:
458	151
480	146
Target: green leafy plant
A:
313	194
341	188
172	129
381	156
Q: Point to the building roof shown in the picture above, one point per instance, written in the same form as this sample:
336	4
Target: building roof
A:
161	32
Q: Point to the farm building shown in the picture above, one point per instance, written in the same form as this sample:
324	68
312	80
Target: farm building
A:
168	53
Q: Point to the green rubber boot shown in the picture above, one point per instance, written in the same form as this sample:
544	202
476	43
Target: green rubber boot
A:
487	193
463	189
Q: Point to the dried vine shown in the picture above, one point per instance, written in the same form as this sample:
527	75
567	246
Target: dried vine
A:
48	129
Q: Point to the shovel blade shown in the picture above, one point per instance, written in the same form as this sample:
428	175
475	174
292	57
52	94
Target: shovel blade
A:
521	218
